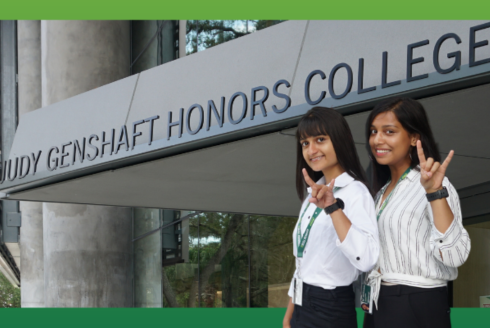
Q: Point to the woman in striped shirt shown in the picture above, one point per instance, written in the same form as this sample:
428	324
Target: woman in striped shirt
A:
421	234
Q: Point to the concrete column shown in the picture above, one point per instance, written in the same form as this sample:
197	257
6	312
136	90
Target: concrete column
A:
78	56
31	232
87	256
147	259
87	249
182	38
29	62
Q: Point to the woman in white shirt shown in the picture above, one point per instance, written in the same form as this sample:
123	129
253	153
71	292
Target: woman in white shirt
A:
419	219
343	239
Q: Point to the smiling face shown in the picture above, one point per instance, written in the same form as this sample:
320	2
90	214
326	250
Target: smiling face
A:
319	154
390	143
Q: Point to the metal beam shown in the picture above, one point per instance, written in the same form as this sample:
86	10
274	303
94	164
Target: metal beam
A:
8	103
475	203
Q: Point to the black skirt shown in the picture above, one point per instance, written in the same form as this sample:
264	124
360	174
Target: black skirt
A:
324	308
403	306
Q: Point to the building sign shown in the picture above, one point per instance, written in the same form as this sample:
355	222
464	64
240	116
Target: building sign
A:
248	105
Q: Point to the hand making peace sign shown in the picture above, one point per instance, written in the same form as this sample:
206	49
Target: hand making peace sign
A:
432	173
321	195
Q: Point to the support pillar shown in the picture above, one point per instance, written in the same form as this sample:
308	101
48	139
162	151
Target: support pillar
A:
31	232
87	248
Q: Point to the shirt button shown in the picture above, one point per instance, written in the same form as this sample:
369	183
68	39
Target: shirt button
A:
440	241
358	258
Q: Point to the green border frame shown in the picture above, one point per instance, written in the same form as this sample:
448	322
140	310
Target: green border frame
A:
215	318
253	9
219	9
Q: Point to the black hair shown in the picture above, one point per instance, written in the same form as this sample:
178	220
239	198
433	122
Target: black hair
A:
412	116
326	121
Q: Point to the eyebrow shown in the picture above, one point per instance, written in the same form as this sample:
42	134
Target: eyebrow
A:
318	136
386	126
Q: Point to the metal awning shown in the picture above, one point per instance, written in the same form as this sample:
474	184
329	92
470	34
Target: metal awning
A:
247	163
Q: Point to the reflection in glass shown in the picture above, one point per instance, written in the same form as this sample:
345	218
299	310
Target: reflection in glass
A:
272	260
178	279
204	34
171	238
223	254
153	42
472	287
212	259
147	259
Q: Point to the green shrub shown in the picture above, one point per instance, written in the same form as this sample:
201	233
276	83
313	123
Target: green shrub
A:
9	295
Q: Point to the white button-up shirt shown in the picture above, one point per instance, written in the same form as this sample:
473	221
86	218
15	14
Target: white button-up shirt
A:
411	245
326	261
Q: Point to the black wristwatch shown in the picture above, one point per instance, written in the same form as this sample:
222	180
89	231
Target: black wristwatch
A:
335	206
438	194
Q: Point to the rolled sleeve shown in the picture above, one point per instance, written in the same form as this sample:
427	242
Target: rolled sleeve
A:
361	245
454	245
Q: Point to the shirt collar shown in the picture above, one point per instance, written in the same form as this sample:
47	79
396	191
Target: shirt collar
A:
341	181
413	173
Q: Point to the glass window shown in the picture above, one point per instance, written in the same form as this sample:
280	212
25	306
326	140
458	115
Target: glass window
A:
171	238
180	279
223	260
212	259
272	260
147	258
204	34
153	42
472	287
215	272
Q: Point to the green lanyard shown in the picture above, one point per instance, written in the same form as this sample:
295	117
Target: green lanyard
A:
301	241
383	206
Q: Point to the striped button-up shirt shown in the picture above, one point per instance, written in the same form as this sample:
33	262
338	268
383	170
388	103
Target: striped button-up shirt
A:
411	245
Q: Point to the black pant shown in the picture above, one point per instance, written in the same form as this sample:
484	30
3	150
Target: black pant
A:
410	307
325	308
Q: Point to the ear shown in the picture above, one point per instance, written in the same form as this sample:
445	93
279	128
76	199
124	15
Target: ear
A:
413	139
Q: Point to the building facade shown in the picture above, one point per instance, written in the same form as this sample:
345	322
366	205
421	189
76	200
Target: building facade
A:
151	163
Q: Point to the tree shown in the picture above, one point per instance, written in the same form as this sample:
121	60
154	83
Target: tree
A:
227	244
224	227
9	295
203	34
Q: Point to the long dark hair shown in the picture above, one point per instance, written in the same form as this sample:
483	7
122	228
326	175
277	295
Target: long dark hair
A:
326	121
412	116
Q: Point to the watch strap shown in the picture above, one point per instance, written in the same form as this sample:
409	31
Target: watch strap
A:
438	194
335	206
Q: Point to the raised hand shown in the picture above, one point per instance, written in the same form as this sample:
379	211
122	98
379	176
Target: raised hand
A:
321	195
432	173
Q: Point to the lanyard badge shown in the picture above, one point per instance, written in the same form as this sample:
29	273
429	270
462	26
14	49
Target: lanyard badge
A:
369	294
298	292
301	242
385	203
